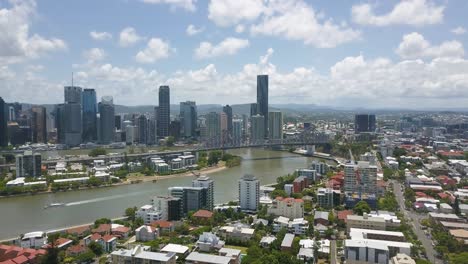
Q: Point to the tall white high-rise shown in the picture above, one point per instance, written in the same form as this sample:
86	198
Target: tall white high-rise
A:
205	182
249	193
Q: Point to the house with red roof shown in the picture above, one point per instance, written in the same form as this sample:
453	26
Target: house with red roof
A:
121	231
19	255
163	226
146	233
79	231
76	250
103	229
108	242
60	243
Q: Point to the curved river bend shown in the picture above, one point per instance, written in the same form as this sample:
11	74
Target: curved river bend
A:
25	214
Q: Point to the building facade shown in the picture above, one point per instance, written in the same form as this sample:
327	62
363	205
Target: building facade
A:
275	124
164	111
262	100
107	120
249	193
89	103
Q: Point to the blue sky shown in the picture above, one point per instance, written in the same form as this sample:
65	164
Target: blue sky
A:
407	53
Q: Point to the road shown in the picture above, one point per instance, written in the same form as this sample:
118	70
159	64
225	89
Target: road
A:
414	219
333	252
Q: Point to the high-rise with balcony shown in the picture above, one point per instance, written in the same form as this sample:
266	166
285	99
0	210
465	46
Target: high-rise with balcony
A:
249	193
276	125
72	116
188	119
107	119
89	106
257	127
3	124
39	124
262	100
360	178
206	182
164	111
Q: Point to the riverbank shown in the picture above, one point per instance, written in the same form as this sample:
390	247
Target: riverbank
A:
131	180
143	178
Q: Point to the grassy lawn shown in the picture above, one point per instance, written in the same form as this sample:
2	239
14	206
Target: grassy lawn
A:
242	249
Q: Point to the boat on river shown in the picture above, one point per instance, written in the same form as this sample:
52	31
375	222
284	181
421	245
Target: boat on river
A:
52	205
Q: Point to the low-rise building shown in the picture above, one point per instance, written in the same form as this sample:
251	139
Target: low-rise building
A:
460	234
287	242
149	214
321	217
445	217
358	233
306	254
140	254
365	222
234	254
300	183
33	239
445	208
298	226
208	242
237	232
179	250
146	233
287	207
266	241
402	258
200	258
373	251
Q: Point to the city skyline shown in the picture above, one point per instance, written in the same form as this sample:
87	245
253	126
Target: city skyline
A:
352	55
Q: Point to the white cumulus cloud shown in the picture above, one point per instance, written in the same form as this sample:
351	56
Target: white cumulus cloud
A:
414	46
156	49
128	37
16	41
406	12
193	30
227	12
228	46
94	54
188	5
100	35
459	31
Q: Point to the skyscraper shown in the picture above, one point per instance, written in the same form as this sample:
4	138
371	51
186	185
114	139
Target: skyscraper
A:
249	193
164	111
188	119
228	111
106	120
3	124
237	132
205	182
142	129
257	134
59	116
118	122
72	116
262	100
276	125
89	106
253	109
73	94
364	123
213	125
39	124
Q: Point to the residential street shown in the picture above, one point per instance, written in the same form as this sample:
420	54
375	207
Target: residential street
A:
414	219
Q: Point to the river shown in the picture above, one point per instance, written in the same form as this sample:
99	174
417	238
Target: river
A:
25	214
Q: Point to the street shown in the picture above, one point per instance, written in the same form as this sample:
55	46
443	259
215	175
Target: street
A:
414	219
333	252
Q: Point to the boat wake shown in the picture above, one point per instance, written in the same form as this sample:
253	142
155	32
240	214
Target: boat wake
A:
112	197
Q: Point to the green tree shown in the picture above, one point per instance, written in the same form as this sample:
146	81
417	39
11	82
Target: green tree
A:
97	152
130	213
170	141
96	248
361	207
276	193
86	257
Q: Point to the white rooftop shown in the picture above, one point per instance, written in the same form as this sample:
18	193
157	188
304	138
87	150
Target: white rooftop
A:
179	249
206	258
